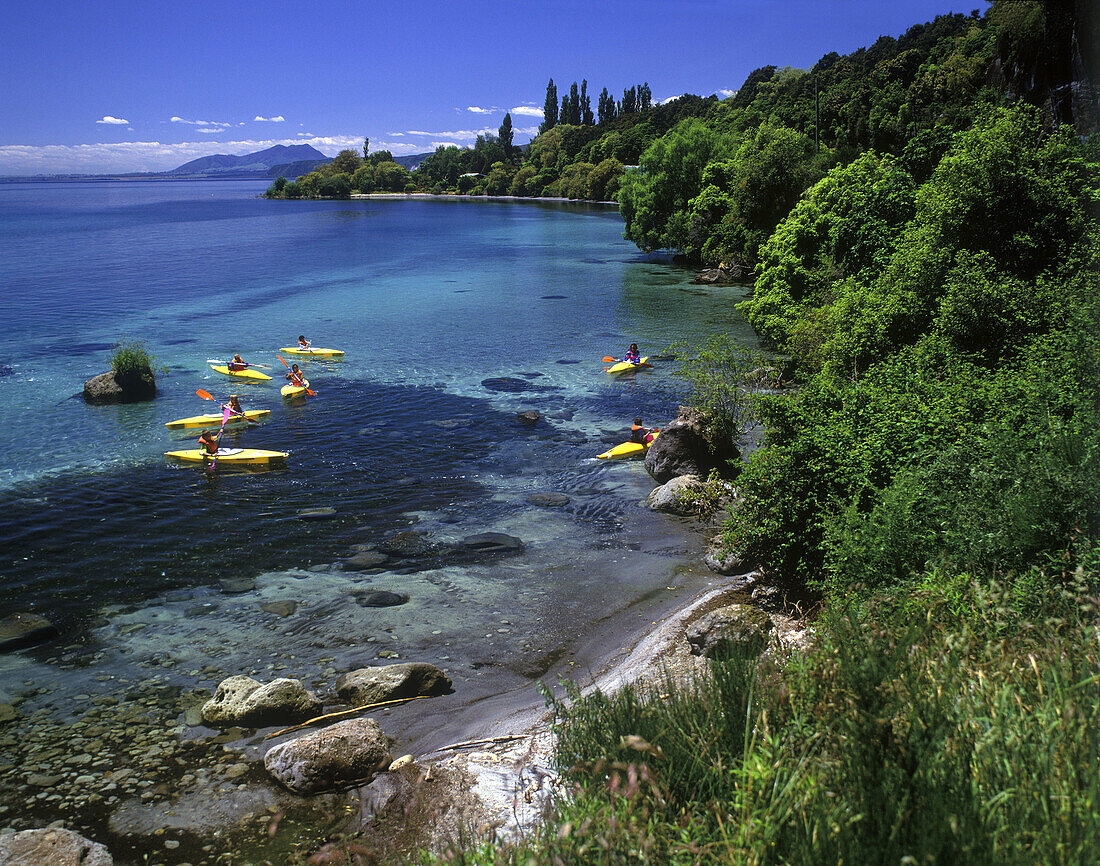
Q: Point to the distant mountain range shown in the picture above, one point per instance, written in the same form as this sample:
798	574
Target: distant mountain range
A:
280	160
289	161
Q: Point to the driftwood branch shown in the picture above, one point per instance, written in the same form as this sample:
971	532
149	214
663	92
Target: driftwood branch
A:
491	741
344	714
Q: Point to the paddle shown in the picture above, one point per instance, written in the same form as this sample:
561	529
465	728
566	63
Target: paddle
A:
246	363
607	359
208	396
309	391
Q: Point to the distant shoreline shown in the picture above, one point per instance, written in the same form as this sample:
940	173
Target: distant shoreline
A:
457	197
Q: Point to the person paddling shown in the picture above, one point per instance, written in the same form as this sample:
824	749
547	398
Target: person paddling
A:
640	434
238	363
303	343
234	405
209	441
295	377
632	355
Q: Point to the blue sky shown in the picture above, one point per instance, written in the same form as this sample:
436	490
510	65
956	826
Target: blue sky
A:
118	85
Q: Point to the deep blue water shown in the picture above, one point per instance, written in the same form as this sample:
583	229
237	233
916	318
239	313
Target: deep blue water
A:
429	299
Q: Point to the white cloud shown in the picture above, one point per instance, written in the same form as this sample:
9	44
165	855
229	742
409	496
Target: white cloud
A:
456	134
726	94
528	111
138	156
525	130
213	125
305	134
278	118
208	130
396	134
669	99
477	110
436	144
113	121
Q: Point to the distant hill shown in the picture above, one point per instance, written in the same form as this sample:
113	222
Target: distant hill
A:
290	159
412	160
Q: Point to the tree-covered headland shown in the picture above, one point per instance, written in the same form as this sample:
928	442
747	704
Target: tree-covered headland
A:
920	222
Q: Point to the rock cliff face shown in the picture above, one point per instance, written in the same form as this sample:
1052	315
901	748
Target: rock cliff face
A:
1048	55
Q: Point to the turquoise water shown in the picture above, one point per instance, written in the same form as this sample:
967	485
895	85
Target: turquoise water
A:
431	300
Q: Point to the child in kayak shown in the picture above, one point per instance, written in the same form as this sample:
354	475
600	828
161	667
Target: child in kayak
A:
632	355
295	376
238	363
303	343
641	434
209	441
234	405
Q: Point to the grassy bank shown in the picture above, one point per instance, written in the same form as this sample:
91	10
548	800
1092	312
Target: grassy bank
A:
947	724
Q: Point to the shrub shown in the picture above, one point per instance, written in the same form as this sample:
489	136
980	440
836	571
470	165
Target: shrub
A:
131	360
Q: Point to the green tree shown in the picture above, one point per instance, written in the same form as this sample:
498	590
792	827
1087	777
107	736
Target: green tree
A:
504	135
366	148
586	105
654	200
549	108
391	177
605	107
346	162
604	180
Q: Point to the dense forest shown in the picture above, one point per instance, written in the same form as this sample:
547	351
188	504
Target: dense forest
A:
920	223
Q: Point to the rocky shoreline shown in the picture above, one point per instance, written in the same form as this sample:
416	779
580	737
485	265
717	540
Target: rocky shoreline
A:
184	775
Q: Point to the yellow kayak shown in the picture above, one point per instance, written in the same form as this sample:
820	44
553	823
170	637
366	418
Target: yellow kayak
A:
215	420
228	455
627	449
240	374
320	353
624	366
289	390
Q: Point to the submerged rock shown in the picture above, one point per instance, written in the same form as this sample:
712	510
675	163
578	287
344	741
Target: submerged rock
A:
333	757
506	384
52	847
243	701
380	598
363	560
721	630
24	629
406	544
282	608
391	682
320	513
529	418
492	542
548	500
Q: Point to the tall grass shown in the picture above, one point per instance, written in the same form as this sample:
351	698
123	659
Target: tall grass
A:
970	734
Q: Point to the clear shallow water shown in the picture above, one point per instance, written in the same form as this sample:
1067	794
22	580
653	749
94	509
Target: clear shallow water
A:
429	299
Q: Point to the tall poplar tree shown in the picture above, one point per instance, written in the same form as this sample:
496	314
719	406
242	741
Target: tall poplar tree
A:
605	107
586	105
574	116
549	108
504	135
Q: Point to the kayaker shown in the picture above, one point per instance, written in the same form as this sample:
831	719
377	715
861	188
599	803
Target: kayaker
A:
638	432
209	441
295	376
238	363
632	356
234	405
303	343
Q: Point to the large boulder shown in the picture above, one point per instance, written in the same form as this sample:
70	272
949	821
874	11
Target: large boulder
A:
111	388
673	497
333	757
390	682
51	847
687	447
23	629
736	625
243	701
